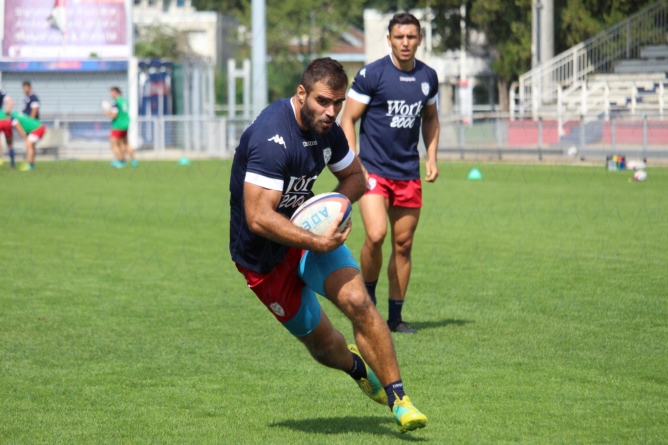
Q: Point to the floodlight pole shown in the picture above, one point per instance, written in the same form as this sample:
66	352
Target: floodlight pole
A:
259	55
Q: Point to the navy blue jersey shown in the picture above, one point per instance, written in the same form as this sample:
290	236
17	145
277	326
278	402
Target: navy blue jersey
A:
390	124
275	153
30	102
2	98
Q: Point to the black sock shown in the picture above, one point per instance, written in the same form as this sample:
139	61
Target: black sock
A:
394	390
359	369
395	310
371	289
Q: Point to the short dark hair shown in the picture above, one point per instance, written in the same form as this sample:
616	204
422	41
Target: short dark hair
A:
118	90
404	18
325	70
26	82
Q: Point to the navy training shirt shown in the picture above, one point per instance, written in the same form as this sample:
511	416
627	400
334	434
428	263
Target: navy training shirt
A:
30	102
275	153
390	124
3	94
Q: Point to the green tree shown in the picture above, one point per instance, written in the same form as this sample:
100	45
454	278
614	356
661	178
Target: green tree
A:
296	31
157	42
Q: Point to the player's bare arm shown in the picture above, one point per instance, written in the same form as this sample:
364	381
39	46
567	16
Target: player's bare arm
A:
9	104
351	114
263	220
351	181
110	113
431	129
20	130
33	112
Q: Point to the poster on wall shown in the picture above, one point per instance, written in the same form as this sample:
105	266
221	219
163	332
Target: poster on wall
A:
43	30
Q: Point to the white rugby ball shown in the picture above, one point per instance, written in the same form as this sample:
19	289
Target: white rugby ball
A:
106	106
640	175
319	213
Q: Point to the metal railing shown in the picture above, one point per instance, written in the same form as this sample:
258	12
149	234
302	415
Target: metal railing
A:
587	136
159	136
540	85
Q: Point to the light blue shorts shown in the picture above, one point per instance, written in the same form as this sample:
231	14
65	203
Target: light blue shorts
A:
313	269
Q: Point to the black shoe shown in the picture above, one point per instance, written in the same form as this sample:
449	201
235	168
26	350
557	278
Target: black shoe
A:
401	327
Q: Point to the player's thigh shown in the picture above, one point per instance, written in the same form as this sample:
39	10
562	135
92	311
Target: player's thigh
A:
403	223
345	289
373	208
316	268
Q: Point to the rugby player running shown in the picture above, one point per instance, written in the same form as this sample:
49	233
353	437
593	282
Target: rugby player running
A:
393	97
278	159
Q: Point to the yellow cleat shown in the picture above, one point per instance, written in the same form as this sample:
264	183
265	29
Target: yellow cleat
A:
370	386
407	416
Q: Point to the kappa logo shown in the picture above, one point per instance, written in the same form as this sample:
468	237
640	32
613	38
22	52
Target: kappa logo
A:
363	72
425	88
327	153
279	140
278	310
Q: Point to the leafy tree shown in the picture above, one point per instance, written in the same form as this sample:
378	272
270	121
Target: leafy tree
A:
157	42
296	30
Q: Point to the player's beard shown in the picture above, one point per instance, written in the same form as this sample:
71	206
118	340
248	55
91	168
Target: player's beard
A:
310	121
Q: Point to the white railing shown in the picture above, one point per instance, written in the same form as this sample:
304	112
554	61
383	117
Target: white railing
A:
159	136
540	85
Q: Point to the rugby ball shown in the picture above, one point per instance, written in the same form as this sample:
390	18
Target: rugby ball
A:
640	175
319	213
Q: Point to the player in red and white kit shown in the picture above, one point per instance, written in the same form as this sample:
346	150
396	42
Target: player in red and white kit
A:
6	105
393	97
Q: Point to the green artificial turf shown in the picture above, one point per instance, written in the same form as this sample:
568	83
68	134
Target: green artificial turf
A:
539	293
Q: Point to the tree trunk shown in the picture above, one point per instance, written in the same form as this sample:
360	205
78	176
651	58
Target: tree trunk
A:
502	85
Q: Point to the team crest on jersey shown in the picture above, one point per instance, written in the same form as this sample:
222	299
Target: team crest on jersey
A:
425	88
327	153
278	310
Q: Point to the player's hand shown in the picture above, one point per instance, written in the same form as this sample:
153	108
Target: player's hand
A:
432	171
332	238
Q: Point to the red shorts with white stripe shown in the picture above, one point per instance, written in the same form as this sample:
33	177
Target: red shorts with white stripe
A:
400	193
37	134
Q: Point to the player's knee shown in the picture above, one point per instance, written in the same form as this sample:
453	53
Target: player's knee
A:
404	246
357	304
375	237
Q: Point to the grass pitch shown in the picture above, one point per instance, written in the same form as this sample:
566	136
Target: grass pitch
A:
540	295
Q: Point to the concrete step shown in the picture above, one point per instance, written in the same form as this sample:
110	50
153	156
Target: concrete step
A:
641	66
654	52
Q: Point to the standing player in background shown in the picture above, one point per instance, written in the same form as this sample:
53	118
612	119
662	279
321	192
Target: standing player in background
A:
30	102
393	96
6	105
280	156
118	111
31	130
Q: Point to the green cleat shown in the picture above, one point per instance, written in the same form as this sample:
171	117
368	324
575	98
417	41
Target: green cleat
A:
407	416
370	386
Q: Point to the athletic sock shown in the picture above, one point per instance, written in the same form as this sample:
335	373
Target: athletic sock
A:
395	310
12	153
371	289
394	391
358	370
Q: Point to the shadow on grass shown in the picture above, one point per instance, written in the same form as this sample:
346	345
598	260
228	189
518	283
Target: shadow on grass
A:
349	424
421	325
